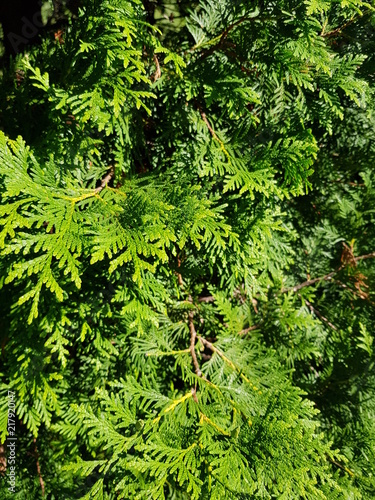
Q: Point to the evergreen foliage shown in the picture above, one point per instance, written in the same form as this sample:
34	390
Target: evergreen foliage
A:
187	252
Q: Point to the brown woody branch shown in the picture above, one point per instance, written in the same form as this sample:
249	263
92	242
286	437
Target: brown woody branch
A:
222	39
36	454
339	30
210	345
245	331
318	314
212	131
208	299
355	292
105	180
193	338
157	73
336	31
363	257
179	275
227	30
349	183
326	277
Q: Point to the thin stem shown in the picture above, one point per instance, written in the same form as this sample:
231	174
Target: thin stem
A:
105	180
36	454
193	338
341	466
170	353
326	277
249	329
157	73
217	42
214	135
367	256
338	30
227	360
212	131
317	313
179	275
204	418
208	299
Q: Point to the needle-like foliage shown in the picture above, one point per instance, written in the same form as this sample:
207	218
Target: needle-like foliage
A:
187	252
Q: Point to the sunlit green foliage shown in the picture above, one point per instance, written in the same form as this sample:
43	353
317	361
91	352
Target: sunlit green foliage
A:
187	243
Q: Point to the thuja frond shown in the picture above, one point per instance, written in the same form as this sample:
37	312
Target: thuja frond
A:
187	251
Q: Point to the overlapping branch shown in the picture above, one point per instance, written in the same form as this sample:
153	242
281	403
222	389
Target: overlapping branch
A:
326	277
193	338
105	180
41	481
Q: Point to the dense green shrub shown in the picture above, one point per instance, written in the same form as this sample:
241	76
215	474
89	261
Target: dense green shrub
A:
187	242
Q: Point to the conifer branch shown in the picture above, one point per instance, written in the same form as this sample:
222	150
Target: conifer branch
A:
317	313
208	299
177	402
203	213
157	73
245	331
361	296
214	135
179	275
367	256
105	180
193	337
341	467
340	29
204	418
227	361
242	20
212	131
36	454
311	282
326	277
220	42
170	353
